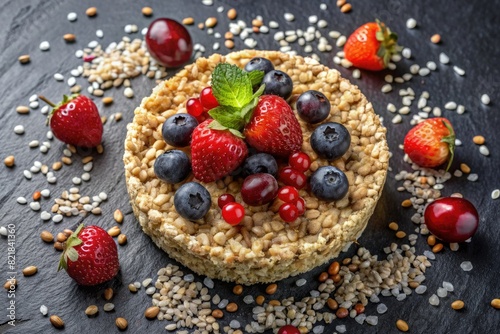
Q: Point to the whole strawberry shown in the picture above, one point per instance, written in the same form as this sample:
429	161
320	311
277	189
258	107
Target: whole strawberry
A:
371	46
215	153
76	121
90	256
431	143
273	127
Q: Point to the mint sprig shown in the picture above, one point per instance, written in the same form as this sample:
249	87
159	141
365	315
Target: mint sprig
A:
233	89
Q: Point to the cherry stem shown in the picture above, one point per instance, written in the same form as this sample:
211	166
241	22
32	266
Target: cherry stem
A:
44	99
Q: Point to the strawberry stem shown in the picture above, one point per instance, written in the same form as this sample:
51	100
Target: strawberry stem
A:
44	99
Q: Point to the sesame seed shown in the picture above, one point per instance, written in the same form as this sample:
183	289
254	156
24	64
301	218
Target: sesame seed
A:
460	109
450	105
386	88
397	119
466	266
414	68
495	194
341	41
99	33
484	150
473	177
209	283
434	300
44	46
58	77
458	70
411	23
431	65
289	17
356	74
72	17
406	53
485	99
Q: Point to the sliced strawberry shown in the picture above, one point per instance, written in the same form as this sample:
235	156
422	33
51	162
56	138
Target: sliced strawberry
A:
431	143
215	153
273	127
371	46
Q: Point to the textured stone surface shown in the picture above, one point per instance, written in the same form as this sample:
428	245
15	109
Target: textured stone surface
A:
468	31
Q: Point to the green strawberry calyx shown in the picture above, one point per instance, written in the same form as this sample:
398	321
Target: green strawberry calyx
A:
388	43
56	107
69	251
450	140
233	89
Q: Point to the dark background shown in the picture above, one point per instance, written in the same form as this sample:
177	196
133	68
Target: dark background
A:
469	31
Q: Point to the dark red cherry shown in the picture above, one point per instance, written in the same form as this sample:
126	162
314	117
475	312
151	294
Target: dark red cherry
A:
169	42
259	189
451	219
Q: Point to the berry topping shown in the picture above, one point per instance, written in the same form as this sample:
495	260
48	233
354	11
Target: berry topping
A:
215	153
259	64
313	106
169	42
330	140
177	129
75	121
371	46
260	163
292	177
431	143
233	213
288	194
225	199
451	219
273	127
207	98
288	329
300	161
172	166
288	212
329	183
278	83
192	201
259	189
194	107
90	256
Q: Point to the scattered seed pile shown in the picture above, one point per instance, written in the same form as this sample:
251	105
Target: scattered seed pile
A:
345	288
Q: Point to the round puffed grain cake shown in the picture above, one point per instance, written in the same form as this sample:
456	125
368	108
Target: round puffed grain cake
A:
262	248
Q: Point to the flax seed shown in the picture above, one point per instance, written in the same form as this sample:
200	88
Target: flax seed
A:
231	14
91	12
122	239
229	44
342	313
66	160
271	288
464	168
24	59
238	289
260	300
188	21
334	268
9	161
394	226
22	110
436	38
108	294
346	8
147	11
332	304
217	314
406	203
457	305
402	325
232	307
107	100
431	240
70	38
400	234
478	140
437	248
495	303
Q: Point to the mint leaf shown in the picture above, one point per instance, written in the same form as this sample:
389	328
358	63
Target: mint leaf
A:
231	86
227	116
214	125
247	111
256	77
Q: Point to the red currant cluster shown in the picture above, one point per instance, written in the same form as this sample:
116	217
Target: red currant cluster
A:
198	107
294	178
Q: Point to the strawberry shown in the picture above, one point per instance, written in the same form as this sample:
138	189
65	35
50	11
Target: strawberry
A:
371	46
215	153
273	127
431	143
76	121
90	256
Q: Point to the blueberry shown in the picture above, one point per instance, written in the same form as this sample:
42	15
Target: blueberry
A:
330	140
313	106
278	83
259	63
329	183
192	200
260	163
177	129
172	166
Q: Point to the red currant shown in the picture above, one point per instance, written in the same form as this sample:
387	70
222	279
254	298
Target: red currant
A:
292	177
288	212
300	161
452	219
169	42
194	107
208	99
233	213
225	199
288	194
288	329
301	205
